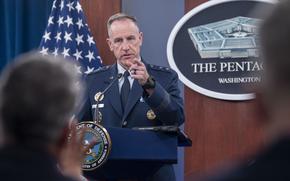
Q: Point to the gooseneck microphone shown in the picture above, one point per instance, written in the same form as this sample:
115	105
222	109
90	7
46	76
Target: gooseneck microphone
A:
96	112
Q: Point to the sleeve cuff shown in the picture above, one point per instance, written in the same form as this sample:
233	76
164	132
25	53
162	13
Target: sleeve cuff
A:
159	100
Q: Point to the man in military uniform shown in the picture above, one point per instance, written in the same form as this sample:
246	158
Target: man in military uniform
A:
141	94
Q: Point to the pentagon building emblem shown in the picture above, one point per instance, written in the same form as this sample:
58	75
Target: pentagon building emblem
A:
97	155
231	38
214	48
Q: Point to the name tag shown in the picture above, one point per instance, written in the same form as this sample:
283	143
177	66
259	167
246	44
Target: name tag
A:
99	106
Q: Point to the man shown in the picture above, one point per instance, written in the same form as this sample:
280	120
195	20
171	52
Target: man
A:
145	95
273	100
38	96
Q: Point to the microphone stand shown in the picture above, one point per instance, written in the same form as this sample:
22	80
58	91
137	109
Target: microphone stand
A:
97	119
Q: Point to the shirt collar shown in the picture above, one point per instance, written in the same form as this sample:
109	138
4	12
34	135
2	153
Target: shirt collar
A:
120	69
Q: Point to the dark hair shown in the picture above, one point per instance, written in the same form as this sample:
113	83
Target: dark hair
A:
38	97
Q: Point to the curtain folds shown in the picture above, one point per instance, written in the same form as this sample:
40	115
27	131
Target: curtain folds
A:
22	25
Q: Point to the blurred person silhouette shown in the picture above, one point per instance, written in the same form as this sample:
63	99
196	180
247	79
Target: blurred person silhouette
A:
38	96
273	101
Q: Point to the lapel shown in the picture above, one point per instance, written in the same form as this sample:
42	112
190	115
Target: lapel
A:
113	93
134	96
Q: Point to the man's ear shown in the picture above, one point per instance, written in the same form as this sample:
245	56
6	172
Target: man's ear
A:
141	37
110	44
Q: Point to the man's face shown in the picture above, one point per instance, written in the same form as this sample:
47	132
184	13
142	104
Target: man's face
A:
125	41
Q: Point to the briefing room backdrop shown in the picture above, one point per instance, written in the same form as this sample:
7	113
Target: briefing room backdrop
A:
220	130
25	21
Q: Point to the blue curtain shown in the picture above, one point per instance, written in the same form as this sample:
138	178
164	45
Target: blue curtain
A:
22	25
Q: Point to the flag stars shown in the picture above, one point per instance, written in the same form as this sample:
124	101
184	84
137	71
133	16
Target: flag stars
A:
70	6
78	7
68	21
90	40
53	5
50	20
57	37
60	20
90	56
61	5
67	37
55	52
99	57
78	54
65	52
46	36
80	23
89	70
43	51
79	39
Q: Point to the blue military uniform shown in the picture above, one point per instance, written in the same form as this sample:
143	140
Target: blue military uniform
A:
165	102
163	107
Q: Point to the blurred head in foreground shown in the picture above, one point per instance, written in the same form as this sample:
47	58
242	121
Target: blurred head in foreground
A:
275	41
38	96
273	103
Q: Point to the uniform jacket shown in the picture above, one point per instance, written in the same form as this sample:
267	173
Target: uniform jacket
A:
165	102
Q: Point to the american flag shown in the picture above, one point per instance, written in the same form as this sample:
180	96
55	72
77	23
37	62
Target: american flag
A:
67	34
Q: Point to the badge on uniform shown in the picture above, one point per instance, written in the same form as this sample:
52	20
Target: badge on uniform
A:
150	114
99	96
100	117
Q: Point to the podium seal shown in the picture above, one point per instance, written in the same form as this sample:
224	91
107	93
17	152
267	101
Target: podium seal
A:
97	155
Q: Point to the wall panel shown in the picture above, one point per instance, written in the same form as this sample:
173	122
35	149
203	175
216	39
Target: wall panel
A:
221	131
97	13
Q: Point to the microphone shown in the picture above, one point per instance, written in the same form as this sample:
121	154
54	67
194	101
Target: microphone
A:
96	112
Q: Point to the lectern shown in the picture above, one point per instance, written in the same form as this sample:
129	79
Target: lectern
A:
136	154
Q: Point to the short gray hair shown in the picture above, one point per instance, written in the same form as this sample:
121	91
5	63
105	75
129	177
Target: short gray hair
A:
120	16
38	96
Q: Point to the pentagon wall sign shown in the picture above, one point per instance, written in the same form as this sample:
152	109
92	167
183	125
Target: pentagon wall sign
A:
214	48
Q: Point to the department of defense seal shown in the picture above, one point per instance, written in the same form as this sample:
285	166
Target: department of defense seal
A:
97	155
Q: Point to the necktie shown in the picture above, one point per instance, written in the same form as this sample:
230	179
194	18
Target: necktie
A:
125	90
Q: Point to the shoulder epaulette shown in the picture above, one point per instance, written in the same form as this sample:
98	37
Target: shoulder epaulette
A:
160	68
100	69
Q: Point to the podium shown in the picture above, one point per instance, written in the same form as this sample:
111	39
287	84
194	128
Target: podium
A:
136	154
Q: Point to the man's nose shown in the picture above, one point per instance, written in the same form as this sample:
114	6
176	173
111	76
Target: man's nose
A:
125	45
